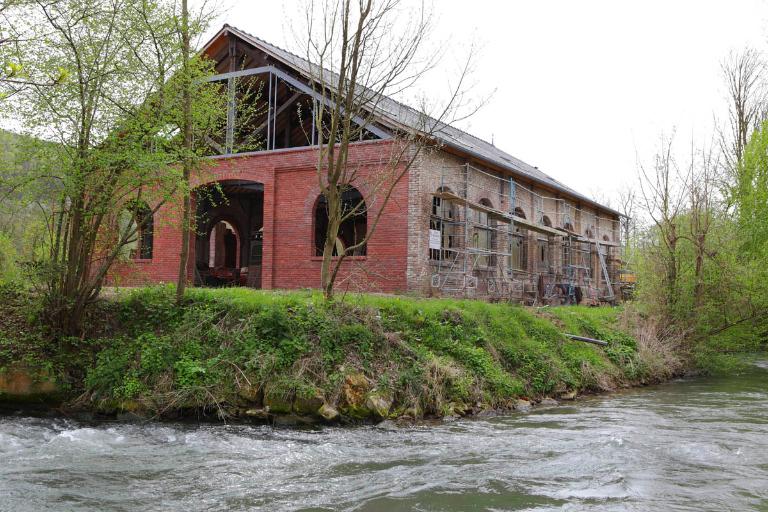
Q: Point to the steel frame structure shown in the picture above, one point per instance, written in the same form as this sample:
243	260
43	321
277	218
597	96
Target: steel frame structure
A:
274	75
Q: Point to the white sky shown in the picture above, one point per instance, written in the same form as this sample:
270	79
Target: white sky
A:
581	88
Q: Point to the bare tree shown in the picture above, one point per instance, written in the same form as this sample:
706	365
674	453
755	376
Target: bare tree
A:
627	206
360	53
701	196
662	196
744	76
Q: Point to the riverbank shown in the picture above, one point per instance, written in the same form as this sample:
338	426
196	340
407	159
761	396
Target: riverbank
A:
290	357
694	444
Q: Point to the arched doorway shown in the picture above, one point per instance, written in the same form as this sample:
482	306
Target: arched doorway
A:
223	246
228	245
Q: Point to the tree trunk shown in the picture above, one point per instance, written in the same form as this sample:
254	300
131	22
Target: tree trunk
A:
326	272
181	283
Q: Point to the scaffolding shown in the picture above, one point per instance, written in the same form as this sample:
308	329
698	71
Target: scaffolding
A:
481	238
577	268
473	235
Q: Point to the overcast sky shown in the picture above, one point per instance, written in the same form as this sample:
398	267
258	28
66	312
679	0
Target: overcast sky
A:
581	87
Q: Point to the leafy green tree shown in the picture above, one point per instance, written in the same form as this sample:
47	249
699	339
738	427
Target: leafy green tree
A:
701	266
752	192
112	131
751	205
188	147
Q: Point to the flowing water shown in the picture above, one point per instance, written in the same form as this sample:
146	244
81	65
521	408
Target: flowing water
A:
689	445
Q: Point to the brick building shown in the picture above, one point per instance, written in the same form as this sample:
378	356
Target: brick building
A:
467	219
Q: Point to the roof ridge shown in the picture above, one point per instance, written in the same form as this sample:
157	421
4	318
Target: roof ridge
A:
491	153
399	102
267	43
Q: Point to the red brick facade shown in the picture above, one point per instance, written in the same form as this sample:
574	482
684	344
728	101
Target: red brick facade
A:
466	219
290	194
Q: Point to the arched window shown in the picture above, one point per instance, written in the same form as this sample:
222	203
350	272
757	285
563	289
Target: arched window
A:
542	254
518	249
519	212
353	228
484	237
545	220
138	222
567	216
442	227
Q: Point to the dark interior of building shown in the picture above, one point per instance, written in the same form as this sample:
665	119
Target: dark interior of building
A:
228	243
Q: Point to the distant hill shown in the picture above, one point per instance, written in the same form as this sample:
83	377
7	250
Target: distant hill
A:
23	200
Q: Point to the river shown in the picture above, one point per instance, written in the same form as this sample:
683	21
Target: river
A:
699	444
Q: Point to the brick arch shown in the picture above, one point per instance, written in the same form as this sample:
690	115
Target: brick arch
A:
243	212
238	232
313	196
290	184
229	219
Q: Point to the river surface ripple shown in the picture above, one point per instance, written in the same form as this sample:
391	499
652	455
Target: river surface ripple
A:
688	445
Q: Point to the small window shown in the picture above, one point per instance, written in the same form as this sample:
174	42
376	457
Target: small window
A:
443	226
518	250
484	237
542	265
567	216
138	223
353	228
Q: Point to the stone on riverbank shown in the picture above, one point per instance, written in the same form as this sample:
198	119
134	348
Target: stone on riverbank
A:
21	385
277	401
378	404
251	394
327	412
261	414
523	405
308	405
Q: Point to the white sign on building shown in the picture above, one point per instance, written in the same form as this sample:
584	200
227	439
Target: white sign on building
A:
435	241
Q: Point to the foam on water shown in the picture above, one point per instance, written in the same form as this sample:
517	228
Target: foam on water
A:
690	445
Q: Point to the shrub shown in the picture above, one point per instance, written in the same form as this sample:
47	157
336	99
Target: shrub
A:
9	268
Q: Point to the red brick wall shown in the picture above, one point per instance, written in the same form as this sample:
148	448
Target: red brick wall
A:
290	191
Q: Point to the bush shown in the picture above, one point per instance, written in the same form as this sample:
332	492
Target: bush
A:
424	353
9	267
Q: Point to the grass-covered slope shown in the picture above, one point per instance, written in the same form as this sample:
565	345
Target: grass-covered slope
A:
235	350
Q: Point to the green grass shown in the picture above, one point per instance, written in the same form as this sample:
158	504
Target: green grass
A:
430	355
